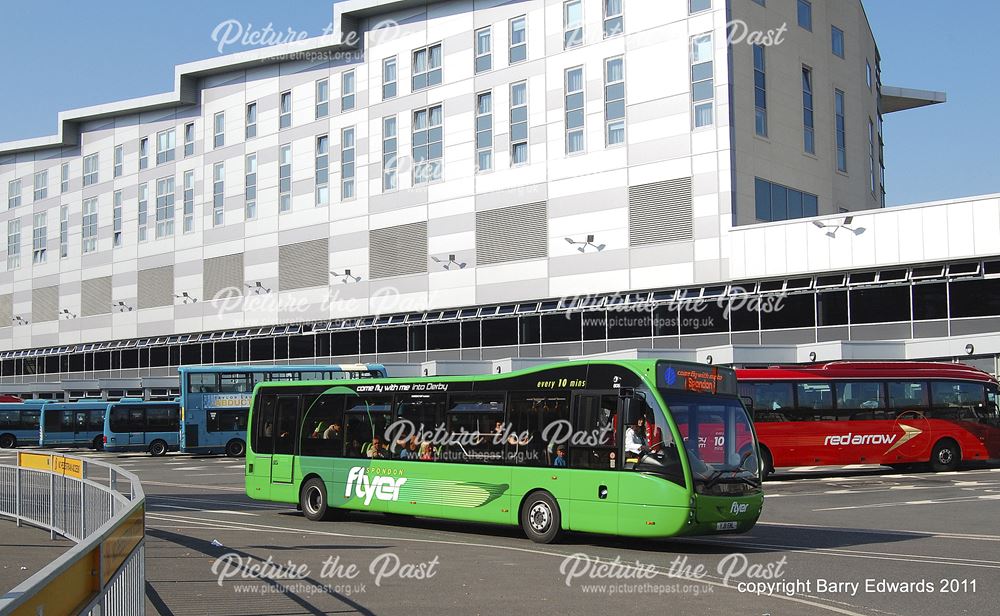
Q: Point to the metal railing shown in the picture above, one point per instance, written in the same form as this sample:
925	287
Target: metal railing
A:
97	505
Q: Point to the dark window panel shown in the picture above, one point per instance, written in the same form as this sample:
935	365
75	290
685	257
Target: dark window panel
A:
665	320
704	317
158	357
530	328
831	307
88	363
344	343
444	336
208	352
143	358
499	332
281	347
102	361
190	354
368	341
417	335
302	346
788	312
175	355
242	351
130	358
630	323
930	301
262	349
323	345
975	298
225	352
594	324
880	304
391	340
564	327
470	334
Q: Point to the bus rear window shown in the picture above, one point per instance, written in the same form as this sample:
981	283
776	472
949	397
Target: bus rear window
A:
199	383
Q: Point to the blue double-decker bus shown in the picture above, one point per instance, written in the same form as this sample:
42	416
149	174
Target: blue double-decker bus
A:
215	400
19	423
132	424
73	424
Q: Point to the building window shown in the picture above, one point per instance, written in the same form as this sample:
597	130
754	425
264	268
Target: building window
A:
775	202
189	139
166	141
808	121
218	194
806	14
285	178
143	210
219	123
868	73
871	157
250	184
759	91
837	40
574	110
347	91
322	170
614	101
188	201
389	78
322	98
13	244
90	170
64	178
143	153
116	219
572	23
428	145
251	120
697	6
347	164
518	47
41	185
484	49
519	123
13	194
838	103
63	231
484	131
389	151
285	110
119	161
38	239
89	229
164	207
702	80
614	18
426	67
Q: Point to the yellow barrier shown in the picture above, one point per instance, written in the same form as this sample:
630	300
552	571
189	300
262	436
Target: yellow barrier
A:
52	463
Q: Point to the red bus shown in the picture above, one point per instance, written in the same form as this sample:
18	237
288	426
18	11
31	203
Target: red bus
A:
894	413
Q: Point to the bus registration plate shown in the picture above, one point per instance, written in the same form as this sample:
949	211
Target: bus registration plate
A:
726	525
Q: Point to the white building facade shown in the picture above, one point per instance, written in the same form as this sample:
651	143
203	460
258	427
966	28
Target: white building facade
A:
468	180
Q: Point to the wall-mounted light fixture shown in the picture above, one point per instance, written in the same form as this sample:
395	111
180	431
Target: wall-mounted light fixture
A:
451	261
969	349
122	307
834	227
708	360
589	243
66	314
19	320
347	277
257	288
185	298
812	355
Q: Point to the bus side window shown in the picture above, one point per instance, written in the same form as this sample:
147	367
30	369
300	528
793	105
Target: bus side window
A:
480	415
593	416
263	423
366	418
323	426
532	413
425	412
286	426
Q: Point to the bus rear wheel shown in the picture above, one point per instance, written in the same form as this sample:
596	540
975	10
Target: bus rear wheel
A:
946	456
541	520
236	448
766	463
157	448
313	502
98	443
7	441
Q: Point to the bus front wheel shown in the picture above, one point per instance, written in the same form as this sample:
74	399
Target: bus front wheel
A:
946	456
766	463
157	448
7	441
235	448
540	517
312	500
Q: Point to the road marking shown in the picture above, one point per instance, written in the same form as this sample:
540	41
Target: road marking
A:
197	487
658	570
190	468
893	531
186	499
941	501
225	511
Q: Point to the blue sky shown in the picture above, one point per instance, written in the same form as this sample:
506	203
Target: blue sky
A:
115	49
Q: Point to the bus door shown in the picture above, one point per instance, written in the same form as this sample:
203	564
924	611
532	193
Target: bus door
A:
81	425
286	435
593	492
136	426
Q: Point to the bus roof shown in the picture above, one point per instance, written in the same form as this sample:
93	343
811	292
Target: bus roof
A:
290	368
79	404
866	370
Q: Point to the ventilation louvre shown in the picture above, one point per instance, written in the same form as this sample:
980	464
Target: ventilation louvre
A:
660	212
95	296
45	304
512	233
6	310
398	251
304	265
156	287
223	277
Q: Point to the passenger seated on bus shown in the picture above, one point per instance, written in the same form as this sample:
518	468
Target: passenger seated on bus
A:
409	452
426	452
376	449
332	432
560	457
318	430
